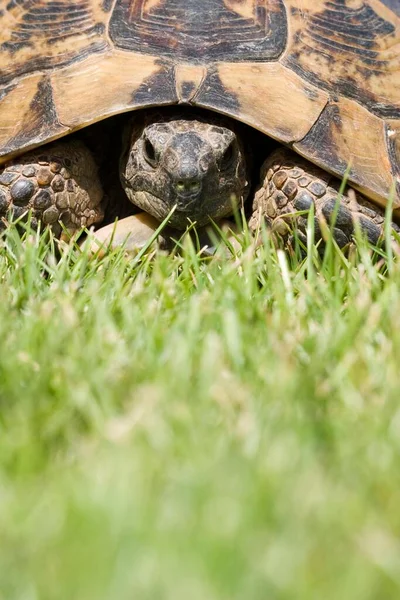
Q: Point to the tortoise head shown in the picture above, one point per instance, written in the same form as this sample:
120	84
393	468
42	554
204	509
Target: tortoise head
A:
191	164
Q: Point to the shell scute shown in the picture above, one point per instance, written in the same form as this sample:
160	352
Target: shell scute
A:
290	68
210	30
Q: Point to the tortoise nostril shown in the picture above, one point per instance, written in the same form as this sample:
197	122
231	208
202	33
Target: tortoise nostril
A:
187	187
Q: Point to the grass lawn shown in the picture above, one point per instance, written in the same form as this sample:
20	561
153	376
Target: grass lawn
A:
185	429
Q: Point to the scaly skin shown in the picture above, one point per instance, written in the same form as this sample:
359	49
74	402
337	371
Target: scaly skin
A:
290	186
58	183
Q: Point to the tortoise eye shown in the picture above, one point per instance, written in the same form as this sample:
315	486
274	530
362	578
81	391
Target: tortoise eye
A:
149	152
227	157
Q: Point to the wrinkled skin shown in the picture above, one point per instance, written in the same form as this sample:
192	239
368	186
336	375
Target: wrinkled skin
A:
196	166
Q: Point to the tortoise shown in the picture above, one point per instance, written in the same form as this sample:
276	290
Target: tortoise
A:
322	79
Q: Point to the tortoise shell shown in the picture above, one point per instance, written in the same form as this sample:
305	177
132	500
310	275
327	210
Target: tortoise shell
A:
322	77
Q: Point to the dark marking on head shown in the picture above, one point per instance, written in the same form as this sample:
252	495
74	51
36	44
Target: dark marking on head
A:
200	31
107	5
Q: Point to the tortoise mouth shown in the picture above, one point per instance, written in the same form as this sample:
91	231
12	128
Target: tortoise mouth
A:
188	210
185	204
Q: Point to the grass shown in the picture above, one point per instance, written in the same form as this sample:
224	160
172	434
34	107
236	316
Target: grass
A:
177	428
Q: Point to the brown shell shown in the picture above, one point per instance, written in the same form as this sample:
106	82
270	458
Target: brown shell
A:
322	76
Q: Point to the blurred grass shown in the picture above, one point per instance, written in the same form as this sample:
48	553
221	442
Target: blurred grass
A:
176	427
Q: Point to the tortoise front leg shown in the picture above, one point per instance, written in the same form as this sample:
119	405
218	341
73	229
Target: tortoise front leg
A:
57	183
290	186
